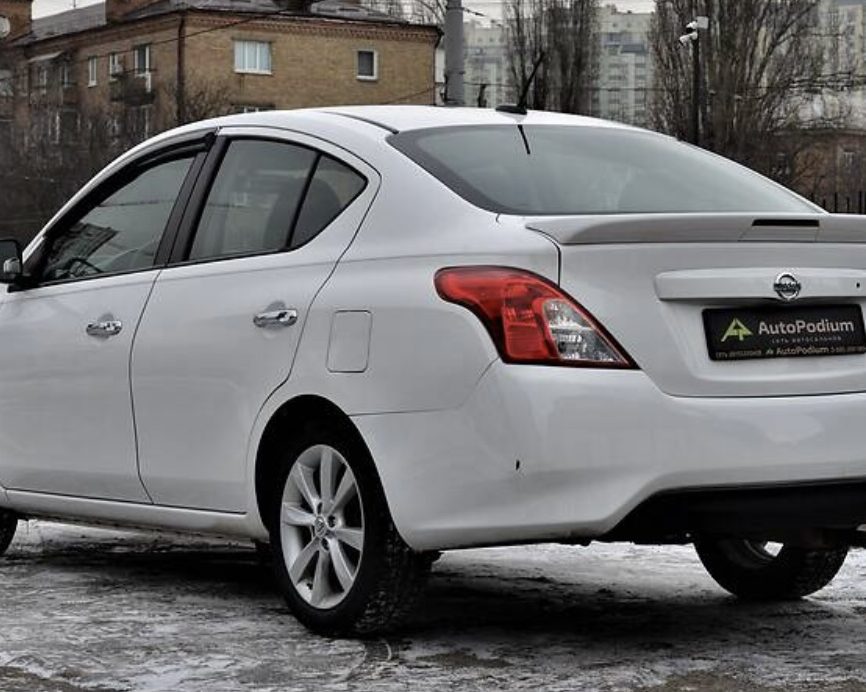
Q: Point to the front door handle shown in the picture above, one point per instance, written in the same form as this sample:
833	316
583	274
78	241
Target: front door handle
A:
105	328
275	319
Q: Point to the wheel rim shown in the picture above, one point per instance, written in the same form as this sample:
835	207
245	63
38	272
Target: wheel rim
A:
322	527
764	551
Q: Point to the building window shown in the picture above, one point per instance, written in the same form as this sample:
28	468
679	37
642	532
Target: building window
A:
7	84
54	128
92	64
69	124
253	109
368	65
115	66
253	57
41	78
141	59
140	122
66	75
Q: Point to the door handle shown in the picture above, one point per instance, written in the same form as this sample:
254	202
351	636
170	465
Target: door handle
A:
276	319
104	328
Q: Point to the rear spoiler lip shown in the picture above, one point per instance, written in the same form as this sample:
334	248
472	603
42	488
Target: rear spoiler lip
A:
701	228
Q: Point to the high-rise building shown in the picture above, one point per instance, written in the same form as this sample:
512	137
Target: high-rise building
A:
486	79
624	76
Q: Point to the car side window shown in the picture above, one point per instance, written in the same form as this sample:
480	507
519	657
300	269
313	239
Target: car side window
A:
332	188
123	231
254	199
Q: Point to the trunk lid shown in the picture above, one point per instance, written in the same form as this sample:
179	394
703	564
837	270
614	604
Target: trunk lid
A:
649	279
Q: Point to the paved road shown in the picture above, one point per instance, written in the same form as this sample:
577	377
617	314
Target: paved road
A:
85	609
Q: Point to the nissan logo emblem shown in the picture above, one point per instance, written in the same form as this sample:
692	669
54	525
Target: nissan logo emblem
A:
787	287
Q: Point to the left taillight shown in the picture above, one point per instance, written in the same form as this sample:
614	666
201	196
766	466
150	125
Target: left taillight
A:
530	319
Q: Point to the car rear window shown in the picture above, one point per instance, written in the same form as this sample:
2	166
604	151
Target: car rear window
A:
562	170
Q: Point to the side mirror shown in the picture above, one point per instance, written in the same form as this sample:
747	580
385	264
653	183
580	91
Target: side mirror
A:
11	264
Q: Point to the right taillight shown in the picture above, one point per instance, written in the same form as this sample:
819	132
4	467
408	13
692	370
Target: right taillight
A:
530	319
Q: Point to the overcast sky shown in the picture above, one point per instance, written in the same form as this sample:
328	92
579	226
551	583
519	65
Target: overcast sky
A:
43	7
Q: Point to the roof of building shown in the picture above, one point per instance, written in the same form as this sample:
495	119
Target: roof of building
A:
94	16
69	22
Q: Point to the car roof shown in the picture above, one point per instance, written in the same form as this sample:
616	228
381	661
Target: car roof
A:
392	119
404	118
352	126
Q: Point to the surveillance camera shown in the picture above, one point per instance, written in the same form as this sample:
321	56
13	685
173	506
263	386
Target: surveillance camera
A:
686	39
692	26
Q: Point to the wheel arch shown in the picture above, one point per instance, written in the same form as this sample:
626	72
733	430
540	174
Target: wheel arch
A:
291	415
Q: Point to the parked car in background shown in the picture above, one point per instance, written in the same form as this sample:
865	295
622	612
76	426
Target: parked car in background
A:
369	334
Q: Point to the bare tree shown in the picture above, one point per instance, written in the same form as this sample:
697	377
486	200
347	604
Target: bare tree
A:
394	8
427	12
762	68
565	33
203	98
48	157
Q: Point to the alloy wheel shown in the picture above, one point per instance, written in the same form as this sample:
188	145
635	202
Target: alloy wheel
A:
322	526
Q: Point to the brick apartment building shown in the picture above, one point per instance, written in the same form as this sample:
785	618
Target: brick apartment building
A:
146	65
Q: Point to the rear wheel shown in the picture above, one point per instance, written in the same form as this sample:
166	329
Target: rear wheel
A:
8	526
342	566
757	570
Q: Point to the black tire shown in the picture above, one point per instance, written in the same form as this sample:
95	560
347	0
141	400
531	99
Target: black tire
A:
8	526
389	575
749	571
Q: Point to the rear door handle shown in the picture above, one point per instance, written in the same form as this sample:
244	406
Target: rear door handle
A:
104	328
276	319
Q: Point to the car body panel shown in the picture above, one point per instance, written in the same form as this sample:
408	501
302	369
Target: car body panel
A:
619	285
201	370
591	446
66	422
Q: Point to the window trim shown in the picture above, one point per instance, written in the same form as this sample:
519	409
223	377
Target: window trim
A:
367	78
188	226
40	78
115	66
92	71
195	148
66	76
249	70
148	62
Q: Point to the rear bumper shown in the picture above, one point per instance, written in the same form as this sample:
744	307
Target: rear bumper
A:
541	453
781	512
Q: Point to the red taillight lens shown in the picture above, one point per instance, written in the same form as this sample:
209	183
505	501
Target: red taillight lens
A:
530	319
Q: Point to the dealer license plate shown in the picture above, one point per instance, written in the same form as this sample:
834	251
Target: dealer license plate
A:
815	330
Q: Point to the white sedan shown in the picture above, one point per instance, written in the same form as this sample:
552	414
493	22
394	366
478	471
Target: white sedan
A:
369	334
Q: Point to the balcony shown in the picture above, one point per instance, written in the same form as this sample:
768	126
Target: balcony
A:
132	88
69	95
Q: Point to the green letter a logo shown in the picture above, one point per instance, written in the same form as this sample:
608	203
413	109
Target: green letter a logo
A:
736	329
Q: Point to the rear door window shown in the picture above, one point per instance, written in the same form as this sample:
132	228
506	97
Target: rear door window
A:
333	187
270	196
254	199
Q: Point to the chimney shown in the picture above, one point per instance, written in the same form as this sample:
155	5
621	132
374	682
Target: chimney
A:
116	10
14	17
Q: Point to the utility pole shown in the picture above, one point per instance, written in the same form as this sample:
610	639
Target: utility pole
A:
454	95
696	90
693	37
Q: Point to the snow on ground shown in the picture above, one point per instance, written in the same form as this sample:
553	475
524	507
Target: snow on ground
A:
89	609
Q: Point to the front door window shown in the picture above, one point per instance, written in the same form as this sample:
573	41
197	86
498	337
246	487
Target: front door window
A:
122	232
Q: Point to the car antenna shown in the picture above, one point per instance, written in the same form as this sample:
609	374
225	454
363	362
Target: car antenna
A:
520	108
